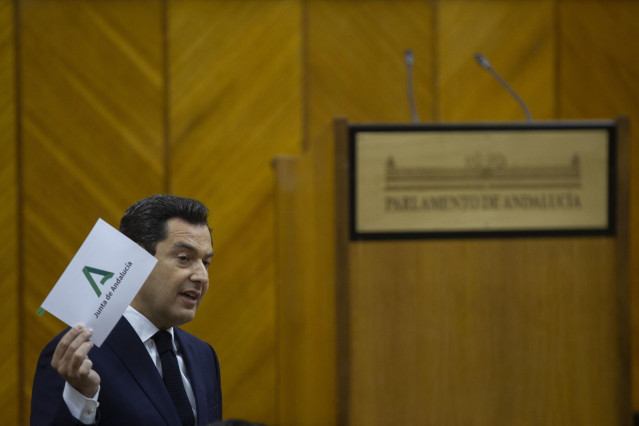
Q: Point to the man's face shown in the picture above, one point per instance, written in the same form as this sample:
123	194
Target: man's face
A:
172	293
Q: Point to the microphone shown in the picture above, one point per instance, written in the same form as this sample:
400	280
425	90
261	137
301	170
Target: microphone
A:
410	90
483	62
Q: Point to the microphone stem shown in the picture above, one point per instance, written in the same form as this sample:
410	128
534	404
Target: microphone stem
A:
410	89
514	94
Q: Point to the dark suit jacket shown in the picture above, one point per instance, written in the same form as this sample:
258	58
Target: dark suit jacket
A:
131	389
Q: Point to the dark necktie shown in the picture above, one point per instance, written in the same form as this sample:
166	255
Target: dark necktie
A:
172	378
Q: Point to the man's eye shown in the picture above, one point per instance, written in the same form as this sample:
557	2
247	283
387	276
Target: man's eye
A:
206	264
183	259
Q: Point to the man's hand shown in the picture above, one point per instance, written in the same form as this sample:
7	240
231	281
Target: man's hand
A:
71	361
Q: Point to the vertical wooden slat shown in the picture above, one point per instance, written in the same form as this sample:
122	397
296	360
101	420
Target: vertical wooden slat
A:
623	268
343	334
599	78
306	304
235	102
91	135
518	40
305	365
9	307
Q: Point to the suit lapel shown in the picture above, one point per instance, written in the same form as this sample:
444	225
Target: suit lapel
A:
125	343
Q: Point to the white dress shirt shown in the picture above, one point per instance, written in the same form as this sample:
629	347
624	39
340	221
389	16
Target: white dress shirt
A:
84	409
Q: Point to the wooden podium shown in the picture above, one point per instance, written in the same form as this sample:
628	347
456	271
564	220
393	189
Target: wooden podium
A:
472	317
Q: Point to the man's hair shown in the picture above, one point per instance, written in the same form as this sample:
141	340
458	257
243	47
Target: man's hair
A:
145	222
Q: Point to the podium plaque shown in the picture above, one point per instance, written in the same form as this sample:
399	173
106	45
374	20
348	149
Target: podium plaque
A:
442	181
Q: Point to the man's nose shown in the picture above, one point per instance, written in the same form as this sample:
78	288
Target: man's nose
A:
200	273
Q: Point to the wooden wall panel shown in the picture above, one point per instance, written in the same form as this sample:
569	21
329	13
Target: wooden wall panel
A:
355	64
92	135
235	102
9	306
247	80
518	39
599	78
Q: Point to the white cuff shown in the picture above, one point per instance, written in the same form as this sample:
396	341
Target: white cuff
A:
81	407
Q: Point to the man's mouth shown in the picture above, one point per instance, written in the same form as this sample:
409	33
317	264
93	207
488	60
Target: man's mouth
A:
191	295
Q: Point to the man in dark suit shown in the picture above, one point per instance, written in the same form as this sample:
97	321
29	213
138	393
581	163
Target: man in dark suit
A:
148	371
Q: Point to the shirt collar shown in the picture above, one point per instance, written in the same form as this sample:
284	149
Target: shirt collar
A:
144	328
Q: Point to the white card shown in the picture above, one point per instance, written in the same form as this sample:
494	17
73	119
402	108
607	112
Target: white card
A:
100	281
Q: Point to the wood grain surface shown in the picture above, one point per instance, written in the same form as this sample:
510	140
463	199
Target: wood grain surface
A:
115	100
10	361
91	136
518	39
235	103
599	77
520	332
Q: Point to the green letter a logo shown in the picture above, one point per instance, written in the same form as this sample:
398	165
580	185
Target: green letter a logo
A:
105	274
